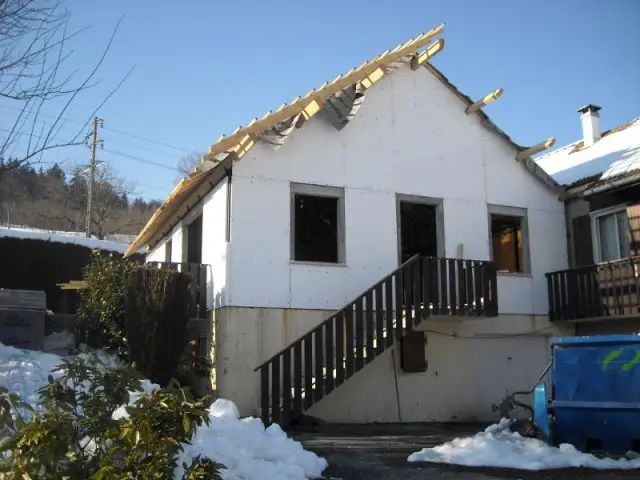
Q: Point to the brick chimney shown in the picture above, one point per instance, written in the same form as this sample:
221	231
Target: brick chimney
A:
590	117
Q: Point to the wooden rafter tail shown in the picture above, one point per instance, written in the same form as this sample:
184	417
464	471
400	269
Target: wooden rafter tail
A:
358	75
548	143
486	100
432	50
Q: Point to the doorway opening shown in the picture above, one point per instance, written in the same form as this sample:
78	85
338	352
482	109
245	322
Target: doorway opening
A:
194	241
418	229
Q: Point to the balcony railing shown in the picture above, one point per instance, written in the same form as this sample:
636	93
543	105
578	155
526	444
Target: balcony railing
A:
198	273
598	291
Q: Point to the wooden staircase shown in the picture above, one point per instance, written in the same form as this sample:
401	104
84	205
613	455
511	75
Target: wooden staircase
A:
323	359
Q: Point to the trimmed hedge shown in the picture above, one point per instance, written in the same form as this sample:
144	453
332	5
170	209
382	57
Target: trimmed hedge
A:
30	264
157	311
140	311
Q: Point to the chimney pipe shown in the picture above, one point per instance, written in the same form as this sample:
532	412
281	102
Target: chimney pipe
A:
590	117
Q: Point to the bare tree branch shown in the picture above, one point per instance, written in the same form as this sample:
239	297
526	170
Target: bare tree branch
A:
34	41
188	163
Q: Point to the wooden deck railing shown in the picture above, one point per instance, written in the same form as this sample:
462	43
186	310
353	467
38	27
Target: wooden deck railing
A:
198	272
320	361
604	290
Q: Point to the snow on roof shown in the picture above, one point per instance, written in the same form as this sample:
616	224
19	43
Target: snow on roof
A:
616	153
77	238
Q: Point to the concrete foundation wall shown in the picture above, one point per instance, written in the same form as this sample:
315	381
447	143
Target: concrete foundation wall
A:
472	364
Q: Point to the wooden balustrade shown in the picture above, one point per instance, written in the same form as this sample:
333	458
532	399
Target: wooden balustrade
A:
603	290
324	358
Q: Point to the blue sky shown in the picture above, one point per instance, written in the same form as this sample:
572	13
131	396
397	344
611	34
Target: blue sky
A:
204	67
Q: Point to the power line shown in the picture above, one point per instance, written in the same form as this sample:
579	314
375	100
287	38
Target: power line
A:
153	187
113	152
137	147
119	142
120	132
168	145
142	160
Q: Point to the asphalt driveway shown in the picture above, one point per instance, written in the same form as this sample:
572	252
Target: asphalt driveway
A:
370	452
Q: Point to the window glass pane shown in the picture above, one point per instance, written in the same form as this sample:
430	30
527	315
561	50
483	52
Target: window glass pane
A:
607	230
316	229
506	242
624	235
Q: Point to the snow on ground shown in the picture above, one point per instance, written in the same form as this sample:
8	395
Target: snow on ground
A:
77	238
498	447
249	450
243	445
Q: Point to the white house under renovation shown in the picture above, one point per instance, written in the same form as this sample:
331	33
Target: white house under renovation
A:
375	250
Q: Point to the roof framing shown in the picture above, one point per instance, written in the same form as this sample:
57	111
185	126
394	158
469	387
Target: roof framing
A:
368	73
345	91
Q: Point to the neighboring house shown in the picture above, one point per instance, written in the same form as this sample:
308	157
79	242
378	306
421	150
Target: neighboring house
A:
601	173
300	214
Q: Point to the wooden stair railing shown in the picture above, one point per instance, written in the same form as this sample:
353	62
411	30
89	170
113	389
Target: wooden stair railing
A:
320	361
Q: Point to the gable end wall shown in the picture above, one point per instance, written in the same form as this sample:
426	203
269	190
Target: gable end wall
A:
411	136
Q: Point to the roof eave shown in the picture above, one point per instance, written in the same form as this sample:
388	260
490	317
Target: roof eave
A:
606	186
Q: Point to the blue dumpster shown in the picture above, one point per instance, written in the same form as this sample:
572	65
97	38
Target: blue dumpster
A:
595	393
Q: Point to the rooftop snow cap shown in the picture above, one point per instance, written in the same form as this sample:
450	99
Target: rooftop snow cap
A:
590	116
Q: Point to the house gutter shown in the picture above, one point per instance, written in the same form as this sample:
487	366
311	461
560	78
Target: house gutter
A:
621	182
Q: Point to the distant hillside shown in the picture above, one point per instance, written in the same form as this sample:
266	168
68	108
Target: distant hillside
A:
54	200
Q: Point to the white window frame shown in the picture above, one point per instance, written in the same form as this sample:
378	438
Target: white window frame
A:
324	191
595	231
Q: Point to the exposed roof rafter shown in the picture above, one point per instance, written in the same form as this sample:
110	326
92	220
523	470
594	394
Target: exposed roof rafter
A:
367	74
418	59
486	100
529	152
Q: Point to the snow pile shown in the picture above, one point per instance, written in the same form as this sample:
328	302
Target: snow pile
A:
248	450
25	371
63	237
498	447
59	341
243	445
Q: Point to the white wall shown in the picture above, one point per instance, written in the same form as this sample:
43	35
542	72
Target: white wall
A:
411	136
157	253
214	244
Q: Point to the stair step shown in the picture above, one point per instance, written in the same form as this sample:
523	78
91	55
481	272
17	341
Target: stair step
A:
334	371
464	279
385	334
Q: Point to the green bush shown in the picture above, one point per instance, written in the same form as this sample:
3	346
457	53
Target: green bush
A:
101	312
157	311
141	312
74	435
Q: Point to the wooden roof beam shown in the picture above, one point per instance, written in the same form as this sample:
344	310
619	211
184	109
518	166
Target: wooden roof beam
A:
493	96
432	50
548	143
357	75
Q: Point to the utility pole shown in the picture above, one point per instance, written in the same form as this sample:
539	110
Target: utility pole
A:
92	169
